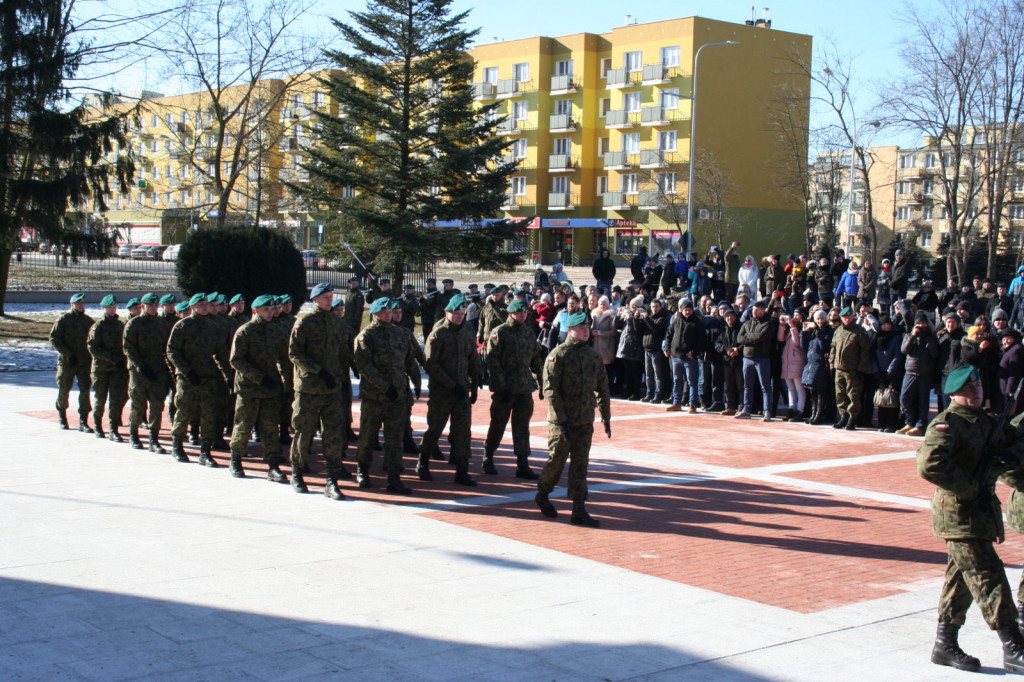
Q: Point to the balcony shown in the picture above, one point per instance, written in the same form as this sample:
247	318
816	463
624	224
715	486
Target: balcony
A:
561	123
619	160
512	127
510	87
912	199
658	116
560	163
910	174
620	118
293	175
561	201
618	201
563	85
482	91
650	200
657	74
516	202
617	79
657	158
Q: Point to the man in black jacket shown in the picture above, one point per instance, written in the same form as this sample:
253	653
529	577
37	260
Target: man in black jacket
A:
653	328
900	276
636	266
604	271
685	344
756	336
726	343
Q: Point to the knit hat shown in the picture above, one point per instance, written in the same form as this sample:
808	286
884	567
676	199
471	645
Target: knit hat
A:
1000	314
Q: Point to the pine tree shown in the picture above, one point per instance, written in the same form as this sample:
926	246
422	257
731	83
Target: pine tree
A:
51	154
410	142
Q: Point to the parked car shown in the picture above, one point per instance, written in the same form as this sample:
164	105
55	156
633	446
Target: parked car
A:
155	252
310	260
126	250
171	252
141	252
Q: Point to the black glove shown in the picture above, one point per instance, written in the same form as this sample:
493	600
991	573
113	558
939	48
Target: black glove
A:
149	373
472	396
391	393
193	377
459	391
416	390
608	428
566	429
268	382
327	378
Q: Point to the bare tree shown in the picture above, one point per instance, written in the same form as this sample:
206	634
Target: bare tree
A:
712	193
827	189
789	120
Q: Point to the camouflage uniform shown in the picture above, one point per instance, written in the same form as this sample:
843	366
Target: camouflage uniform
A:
850	357
109	368
224	383
68	336
428	309
515	361
318	343
171	318
259	349
491	316
454	373
286	323
145	345
966	514
384	360
1015	507
409	340
355	304
197	346
575	383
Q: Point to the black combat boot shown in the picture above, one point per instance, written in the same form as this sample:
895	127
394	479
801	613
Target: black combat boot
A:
1020	617
363	476
351	434
204	456
193	435
462	476
154	445
523	469
133	437
177	450
851	423
844	417
114	435
947	650
395	484
298	485
236	466
580	517
274	474
62	418
488	467
99	430
545	506
83	422
331	487
1013	647
423	468
814	410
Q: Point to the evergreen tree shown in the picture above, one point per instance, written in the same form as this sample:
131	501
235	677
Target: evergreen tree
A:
51	154
410	142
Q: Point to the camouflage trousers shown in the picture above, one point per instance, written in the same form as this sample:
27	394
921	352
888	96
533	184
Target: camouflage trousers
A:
226	401
66	377
975	573
147	394
442	407
392	415
520	409
312	411
849	392
196	402
110	386
576	448
250	410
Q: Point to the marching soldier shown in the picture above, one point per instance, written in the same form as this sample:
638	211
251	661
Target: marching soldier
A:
149	379
259	355
494	313
355	303
134	307
398	326
68	337
286	321
454	374
428	306
169	309
966	514
109	367
574	384
218	318
515	362
410	307
386	366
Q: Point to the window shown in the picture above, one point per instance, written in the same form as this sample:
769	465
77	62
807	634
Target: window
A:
907	161
1017	184
563	67
1017	211
926	212
563	106
520	110
154	145
603	146
169	120
633	61
521	72
904	187
930	160
518	149
670	98
491	75
972	212
600	240
560	239
904	213
980	138
628	242
1017	156
943	213
667	140
665	182
184	117
631	143
670	56
629	183
602	185
947	159
154	121
606	66
348	191
560	184
518	185
297	100
238	196
631	101
319	98
927	187
606	104
563	145
925	239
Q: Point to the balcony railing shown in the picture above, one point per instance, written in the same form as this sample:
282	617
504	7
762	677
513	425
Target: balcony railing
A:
619	160
620	118
483	91
561	122
650	200
620	78
513	127
561	162
560	201
656	158
658	116
618	201
510	87
516	202
563	84
654	74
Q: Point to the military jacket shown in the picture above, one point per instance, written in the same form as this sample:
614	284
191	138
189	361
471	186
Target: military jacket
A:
515	361
197	344
69	336
451	357
106	344
408	338
145	343
384	359
170	318
259	349
850	350
355	303
575	382
410	308
1015	479
953	445
428	309
316	343
491	316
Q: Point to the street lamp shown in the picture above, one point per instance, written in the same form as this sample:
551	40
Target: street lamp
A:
693	138
853	170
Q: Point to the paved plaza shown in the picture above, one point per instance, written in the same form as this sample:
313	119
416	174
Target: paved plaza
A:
729	550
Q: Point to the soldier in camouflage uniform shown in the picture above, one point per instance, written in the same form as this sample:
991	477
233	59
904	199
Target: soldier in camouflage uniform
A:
109	367
966	514
850	357
259	354
171	311
217	317
134	307
355	304
286	321
429	305
199	353
319	351
68	337
574	384
145	346
410	307
386	364
397	324
454	373
447	291
515	362
493	313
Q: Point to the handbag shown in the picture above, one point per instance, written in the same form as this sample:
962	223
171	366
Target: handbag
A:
886	397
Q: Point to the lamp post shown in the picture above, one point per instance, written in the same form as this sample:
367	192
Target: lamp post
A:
853	171
693	138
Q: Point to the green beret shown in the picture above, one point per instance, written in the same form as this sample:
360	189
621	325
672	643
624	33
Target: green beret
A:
168	298
181	307
458	300
959	377
488	286
150	298
107	300
575	320
285	298
846	311
322	288
516	305
263	301
340	303
75	298
277	299
132	302
396	304
431	280
519	292
237	298
380	305
196	299
222	299
212	298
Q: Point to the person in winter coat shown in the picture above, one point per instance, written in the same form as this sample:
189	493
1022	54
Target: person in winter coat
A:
636	266
602	324
604	271
920	349
926	300
653	327
981	349
826	282
846	290
882	286
774	276
790	335
749	276
900	276
756	337
652	276
558	274
817	377
726	343
685	343
630	351
850	357
949	338
732	272
887	361
669	278
867	280
1011	367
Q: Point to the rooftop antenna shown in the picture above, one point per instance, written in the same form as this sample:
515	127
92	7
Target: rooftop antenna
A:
628	20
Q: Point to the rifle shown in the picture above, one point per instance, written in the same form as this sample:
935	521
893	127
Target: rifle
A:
369	272
992	445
